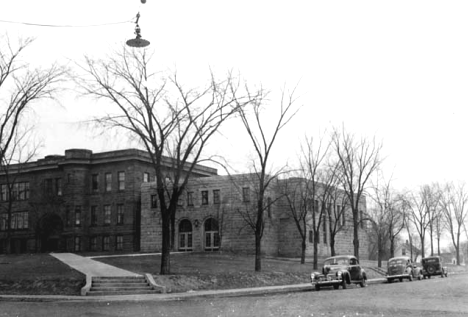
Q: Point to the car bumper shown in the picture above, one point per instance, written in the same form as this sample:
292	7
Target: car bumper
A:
327	281
398	276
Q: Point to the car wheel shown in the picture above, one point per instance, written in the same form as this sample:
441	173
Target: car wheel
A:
343	283
317	287
410	278
419	277
363	282
431	269
389	280
446	274
401	279
336	286
429	277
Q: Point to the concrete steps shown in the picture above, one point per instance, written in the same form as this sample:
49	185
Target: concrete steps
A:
126	285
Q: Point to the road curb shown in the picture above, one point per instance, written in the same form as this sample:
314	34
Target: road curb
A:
256	291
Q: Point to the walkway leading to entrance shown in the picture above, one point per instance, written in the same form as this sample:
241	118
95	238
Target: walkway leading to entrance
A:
90	267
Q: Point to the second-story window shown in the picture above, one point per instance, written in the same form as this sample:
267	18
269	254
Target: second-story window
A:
107	215
4	192
216	196
146	177
58	186
120	214
204	197
154	201
108	182
246	194
121	178
48	186
93	215
77	216
189	198
95	182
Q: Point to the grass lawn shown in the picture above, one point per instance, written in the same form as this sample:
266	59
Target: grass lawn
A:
197	271
38	274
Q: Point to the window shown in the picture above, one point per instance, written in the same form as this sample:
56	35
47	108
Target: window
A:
216	196
146	177
4	192
108	182
77	244
95	182
77	216
189	198
204	197
67	216
47	186
105	243
154	201
185	235
211	235
3	222
19	221
93	215
316	206
121	180
119	242
107	215
311	236
120	214
58	186
93	244
246	194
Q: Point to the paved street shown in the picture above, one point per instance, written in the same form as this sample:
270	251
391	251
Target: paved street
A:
434	297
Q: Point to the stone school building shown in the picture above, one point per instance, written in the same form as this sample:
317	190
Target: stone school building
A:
216	213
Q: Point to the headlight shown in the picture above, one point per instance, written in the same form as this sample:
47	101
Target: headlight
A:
312	276
339	273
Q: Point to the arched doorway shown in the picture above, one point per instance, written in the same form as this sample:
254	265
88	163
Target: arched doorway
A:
185	235
211	234
49	230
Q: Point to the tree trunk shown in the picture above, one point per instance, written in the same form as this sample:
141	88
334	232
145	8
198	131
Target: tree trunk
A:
392	247
423	254
258	252
303	249
332	245
172	245
316	235
379	251
166	242
356	233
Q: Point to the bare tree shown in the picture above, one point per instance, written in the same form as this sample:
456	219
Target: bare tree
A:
392	208
432	201
173	123
387	218
455	209
21	87
419	215
358	160
256	128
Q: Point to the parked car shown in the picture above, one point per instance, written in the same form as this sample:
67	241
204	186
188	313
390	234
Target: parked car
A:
402	267
339	270
433	265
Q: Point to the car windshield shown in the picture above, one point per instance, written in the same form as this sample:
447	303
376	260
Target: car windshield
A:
396	262
336	261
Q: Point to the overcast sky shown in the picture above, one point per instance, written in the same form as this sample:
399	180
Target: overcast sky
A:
396	70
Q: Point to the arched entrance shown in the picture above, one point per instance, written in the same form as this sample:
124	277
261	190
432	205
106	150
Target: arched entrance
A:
185	235
49	229
211	229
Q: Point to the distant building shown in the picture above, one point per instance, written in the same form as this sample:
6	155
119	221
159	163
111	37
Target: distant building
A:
80	201
214	214
407	249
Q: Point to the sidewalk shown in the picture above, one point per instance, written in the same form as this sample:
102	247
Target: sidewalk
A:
267	290
90	267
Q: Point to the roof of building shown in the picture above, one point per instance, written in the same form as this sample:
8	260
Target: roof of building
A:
87	157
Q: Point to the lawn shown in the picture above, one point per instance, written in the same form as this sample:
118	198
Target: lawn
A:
198	271
38	274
